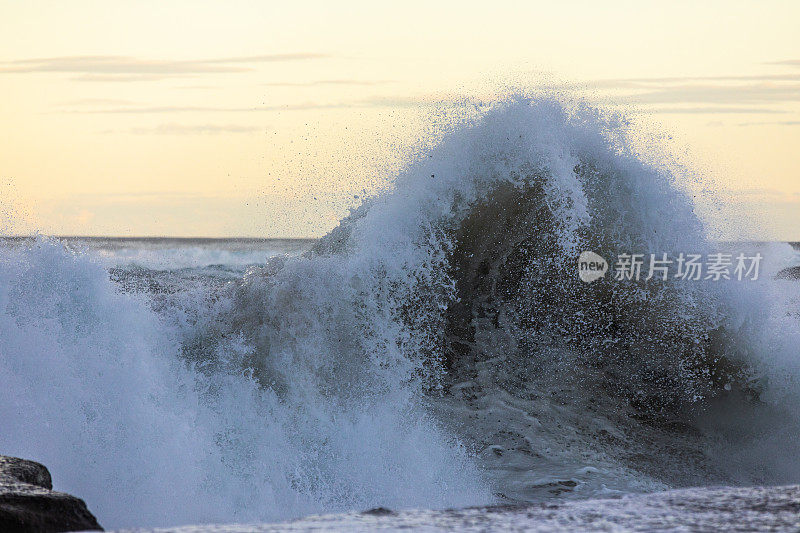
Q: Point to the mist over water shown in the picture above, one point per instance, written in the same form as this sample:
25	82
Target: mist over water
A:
436	349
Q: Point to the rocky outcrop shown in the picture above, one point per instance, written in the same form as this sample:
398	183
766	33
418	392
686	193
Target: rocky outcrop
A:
28	503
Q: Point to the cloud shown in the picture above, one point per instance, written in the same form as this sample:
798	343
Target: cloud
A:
643	82
196	87
699	103
194	129
125	77
663	83
401	101
773	123
123	68
92	102
719	94
94	199
160	109
706	110
377	101
265	58
713	91
208	109
319	83
787	62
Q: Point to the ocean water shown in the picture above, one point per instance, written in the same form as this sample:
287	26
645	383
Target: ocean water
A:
435	350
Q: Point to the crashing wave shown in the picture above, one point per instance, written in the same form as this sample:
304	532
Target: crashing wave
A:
435	349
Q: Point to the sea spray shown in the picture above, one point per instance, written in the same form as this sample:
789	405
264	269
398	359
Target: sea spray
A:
96	386
435	349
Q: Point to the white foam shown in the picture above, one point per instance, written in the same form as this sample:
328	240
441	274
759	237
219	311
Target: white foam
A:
93	387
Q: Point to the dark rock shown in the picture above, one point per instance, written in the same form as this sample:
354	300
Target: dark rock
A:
789	273
24	471
379	511
28	503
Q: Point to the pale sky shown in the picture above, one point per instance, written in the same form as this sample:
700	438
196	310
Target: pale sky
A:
234	118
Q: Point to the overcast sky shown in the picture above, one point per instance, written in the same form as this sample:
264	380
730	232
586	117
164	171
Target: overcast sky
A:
234	118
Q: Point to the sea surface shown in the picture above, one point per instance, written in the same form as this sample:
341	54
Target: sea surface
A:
436	350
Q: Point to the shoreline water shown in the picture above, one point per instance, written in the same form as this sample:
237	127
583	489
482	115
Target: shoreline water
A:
27	503
695	509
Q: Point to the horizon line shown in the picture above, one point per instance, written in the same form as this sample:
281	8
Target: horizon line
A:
163	237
